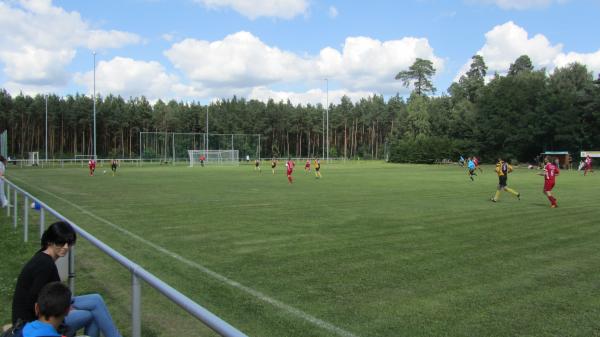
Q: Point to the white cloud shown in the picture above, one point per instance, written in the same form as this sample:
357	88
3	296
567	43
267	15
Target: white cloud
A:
39	41
591	60
36	66
313	96
369	64
333	12
506	42
521	4
128	77
240	59
285	9
243	61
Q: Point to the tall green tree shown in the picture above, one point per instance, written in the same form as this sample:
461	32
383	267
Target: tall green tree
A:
420	74
521	65
570	123
470	84
417	121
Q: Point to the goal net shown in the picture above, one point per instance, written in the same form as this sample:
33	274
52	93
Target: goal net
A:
33	159
214	157
174	146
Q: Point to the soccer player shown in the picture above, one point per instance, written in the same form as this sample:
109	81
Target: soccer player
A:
273	165
471	166
550	173
202	159
307	167
113	166
317	168
503	169
3	200
257	165
588	165
476	161
289	165
92	166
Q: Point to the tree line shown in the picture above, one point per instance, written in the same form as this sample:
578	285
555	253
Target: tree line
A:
515	116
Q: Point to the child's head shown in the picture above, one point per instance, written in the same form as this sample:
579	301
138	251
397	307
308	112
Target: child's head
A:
54	300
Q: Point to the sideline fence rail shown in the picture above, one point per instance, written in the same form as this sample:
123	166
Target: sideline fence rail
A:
137	273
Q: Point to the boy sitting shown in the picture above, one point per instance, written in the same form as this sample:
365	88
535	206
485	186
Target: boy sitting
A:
53	304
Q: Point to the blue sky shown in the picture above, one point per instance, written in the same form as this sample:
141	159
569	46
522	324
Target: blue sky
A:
202	50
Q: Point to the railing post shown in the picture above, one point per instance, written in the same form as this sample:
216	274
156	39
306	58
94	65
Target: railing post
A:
72	270
15	204
25	218
42	221
7	199
136	299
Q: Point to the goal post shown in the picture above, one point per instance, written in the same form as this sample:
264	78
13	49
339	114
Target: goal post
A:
33	159
214	157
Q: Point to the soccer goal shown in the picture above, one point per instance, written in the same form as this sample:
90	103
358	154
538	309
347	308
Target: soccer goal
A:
173	146
33	159
214	157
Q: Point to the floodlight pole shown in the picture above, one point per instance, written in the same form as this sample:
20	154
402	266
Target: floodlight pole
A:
327	110
206	142
46	136
95	157
323	135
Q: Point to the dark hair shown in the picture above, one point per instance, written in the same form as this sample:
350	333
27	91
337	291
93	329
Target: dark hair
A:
2	159
59	233
54	300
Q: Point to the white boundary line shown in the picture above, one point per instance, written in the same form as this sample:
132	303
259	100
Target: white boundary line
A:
276	303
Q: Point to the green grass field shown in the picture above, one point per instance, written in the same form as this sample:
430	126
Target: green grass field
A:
371	249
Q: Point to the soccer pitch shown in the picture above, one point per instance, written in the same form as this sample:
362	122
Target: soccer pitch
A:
371	249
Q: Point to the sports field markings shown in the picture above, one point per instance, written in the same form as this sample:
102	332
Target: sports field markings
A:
276	303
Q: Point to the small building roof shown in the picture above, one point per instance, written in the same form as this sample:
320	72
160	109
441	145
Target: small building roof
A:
556	152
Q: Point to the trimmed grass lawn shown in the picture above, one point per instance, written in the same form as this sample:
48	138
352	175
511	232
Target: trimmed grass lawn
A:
371	249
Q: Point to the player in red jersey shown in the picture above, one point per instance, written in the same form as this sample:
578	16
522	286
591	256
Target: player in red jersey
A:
92	166
588	165
550	173
289	165
476	162
307	166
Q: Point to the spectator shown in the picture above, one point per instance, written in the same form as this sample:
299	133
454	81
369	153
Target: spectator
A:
88	311
3	200
51	307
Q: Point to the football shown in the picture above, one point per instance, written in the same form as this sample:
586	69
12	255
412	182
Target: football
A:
104	172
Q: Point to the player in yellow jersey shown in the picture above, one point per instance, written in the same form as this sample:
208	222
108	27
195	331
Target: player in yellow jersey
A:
317	168
257	166
273	165
503	169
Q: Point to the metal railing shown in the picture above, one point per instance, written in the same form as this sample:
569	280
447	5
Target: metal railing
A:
137	273
70	162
